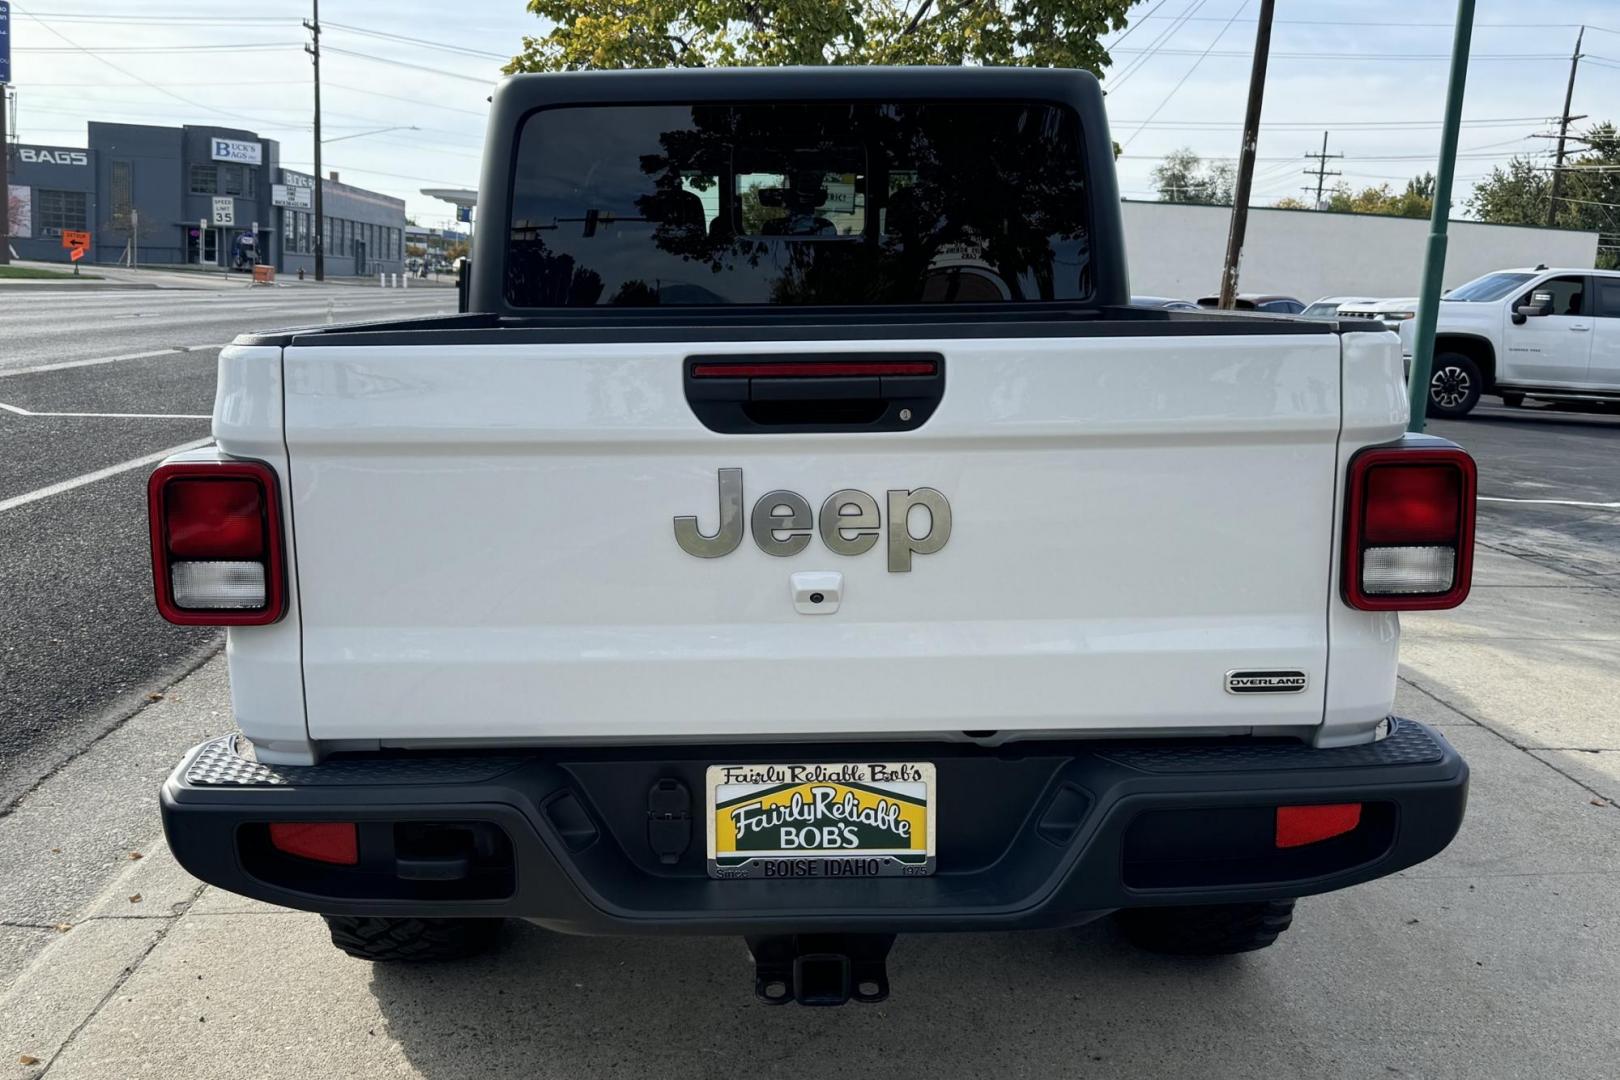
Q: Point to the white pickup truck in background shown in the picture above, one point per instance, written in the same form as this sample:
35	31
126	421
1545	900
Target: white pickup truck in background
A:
800	536
1542	333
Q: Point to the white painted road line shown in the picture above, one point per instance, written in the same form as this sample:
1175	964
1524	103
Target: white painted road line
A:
1553	502
111	415
176	350
100	474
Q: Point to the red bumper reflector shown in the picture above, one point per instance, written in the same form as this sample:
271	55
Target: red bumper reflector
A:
1301	825
323	841
814	369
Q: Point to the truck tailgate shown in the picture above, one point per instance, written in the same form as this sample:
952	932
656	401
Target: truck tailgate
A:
485	544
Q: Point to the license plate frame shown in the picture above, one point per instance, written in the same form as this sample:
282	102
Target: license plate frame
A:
874	809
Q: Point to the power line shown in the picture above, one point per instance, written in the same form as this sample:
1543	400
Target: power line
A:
1238	11
1130	69
239	46
414	67
1139	21
409	101
1354	56
421	42
1404	25
130	74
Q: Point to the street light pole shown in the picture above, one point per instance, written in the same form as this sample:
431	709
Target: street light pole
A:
1434	259
314	50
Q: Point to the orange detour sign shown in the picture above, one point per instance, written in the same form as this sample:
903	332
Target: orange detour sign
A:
77	243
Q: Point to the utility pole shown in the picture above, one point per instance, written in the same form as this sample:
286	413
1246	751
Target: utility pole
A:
1563	130
5	184
314	50
1434	257
1245	176
1321	171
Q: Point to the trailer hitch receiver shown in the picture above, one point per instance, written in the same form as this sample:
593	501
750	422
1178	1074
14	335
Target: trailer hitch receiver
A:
821	969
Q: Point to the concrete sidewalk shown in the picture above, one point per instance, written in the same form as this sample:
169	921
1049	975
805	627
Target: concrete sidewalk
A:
1500	958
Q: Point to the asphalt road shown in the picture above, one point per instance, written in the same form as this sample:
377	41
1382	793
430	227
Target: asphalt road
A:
80	643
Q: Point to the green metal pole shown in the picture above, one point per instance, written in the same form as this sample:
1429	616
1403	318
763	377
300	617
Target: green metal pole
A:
1434	259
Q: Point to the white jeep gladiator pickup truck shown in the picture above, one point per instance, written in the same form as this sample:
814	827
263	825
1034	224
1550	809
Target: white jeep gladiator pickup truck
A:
800	536
1536	332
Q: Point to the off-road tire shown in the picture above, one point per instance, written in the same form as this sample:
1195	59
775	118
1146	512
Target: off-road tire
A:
1207	930
1513	401
1454	386
411	940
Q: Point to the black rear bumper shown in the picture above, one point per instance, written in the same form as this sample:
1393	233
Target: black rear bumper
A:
1029	834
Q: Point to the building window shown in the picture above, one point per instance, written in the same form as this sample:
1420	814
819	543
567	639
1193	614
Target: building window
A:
326	235
250	183
301	241
289	230
123	183
230	176
204	179
58	210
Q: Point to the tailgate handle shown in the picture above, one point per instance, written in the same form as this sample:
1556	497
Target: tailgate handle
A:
800	392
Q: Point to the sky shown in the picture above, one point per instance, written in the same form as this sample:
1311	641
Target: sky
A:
401	115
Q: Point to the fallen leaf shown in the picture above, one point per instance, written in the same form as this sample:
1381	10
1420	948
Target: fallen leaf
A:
1411	922
27	1059
154	697
63	927
135	899
134	855
56	851
1600	802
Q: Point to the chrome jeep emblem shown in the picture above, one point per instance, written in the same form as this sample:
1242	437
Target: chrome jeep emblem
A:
850	523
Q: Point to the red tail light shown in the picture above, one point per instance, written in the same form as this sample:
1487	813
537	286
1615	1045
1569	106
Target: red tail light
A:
216	543
1409	528
324	841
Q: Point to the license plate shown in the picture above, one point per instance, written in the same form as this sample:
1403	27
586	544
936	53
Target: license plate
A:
872	819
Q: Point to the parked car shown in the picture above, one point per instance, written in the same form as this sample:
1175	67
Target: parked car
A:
1274	303
1541	332
1165	303
1329	306
622	603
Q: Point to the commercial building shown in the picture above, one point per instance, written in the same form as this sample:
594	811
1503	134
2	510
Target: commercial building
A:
365	230
197	195
436	246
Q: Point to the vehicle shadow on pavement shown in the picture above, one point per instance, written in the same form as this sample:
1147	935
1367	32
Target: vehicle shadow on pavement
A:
1079	1001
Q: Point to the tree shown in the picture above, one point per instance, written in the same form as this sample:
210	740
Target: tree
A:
1184	177
590	34
1589	198
1416	201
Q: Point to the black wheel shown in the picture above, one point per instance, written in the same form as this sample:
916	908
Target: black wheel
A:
391	940
1208	930
1454	385
1513	401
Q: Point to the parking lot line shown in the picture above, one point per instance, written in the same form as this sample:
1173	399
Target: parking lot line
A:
100	474
1552	502
93	361
20	411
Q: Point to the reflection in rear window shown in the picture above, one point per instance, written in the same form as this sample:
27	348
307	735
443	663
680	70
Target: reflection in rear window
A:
846	204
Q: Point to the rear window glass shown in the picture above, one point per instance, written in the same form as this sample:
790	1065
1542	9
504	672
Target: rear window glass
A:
841	204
